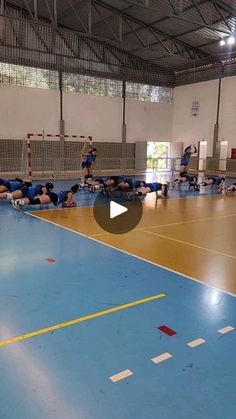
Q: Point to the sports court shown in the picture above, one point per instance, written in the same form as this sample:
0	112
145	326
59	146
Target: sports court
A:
117	209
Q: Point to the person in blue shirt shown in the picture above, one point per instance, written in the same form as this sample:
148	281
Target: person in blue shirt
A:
104	183
217	181
146	188
88	161
114	183
63	198
29	192
128	184
184	177
232	188
8	187
185	159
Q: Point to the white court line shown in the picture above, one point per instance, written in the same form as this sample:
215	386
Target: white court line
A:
161	358
131	254
120	376
196	342
226	329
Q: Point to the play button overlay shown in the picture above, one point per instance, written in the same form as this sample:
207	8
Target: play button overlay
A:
116	209
116	215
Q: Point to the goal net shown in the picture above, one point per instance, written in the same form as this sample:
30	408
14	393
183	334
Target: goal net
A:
55	156
12	154
43	155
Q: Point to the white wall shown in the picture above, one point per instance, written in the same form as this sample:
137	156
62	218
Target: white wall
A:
227	123
103	116
190	129
148	121
98	116
26	110
32	110
160	121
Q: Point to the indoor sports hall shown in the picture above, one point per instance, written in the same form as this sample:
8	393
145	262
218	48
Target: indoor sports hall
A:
117	209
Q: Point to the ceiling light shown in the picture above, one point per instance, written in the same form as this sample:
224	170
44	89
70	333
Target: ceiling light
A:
222	42
231	40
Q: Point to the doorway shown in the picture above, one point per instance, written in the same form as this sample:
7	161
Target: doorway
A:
158	156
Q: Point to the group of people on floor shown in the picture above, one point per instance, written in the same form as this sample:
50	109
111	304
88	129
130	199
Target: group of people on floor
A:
23	192
192	179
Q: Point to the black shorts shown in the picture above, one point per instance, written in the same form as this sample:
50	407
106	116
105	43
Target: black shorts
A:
7	185
25	192
87	165
53	197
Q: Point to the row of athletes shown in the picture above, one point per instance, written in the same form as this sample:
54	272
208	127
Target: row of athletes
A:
192	180
131	187
24	193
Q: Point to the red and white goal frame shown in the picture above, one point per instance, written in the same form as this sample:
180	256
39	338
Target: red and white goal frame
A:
56	137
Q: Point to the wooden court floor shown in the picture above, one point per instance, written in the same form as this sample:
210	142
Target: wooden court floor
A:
193	236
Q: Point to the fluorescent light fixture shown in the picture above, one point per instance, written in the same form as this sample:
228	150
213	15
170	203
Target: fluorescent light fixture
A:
224	142
222	42
231	40
203	142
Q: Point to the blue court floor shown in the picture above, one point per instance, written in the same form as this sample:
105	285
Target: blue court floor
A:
49	275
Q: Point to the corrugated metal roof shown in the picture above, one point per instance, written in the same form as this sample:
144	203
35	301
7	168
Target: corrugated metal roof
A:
171	33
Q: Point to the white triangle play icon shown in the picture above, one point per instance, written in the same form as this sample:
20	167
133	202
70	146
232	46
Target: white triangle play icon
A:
116	209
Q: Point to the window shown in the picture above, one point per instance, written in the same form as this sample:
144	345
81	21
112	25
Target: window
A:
92	85
158	155
149	93
28	76
19	75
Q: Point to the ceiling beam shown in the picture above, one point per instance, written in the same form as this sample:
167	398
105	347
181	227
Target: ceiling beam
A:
52	18
143	25
128	23
222	17
164	18
203	27
68	10
104	21
200	13
78	17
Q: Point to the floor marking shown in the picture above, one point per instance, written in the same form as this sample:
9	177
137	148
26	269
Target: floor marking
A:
188	244
120	376
171	224
161	358
80	320
190	221
131	254
196	342
50	260
102	234
167	330
226	329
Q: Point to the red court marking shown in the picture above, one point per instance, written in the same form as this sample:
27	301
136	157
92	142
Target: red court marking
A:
50	260
167	330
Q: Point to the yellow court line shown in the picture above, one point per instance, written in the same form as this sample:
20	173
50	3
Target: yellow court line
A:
82	319
189	244
172	224
190	221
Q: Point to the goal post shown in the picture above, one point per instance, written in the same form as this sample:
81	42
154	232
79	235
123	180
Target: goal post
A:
55	155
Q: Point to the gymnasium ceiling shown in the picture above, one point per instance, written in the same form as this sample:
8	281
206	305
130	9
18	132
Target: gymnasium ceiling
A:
180	37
